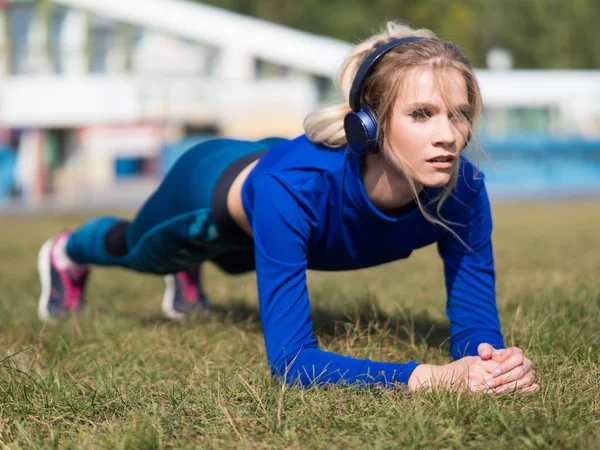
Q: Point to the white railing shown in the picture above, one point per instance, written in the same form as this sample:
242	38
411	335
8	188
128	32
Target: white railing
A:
42	101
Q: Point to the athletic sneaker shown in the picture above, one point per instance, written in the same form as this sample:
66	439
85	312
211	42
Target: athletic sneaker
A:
63	281
183	294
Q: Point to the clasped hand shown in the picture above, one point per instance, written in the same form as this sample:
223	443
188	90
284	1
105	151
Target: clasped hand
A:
512	371
504	370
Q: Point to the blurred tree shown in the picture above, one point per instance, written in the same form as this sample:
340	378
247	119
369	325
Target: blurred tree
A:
539	33
549	33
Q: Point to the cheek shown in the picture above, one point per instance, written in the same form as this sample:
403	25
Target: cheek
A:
409	140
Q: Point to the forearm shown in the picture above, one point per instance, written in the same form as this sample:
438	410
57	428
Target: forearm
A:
470	281
312	366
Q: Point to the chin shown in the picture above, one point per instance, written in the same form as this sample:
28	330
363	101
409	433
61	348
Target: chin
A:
439	179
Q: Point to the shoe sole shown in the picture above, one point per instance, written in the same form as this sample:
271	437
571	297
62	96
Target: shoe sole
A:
168	299
45	280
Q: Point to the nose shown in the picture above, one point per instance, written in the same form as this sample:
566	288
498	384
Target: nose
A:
445	136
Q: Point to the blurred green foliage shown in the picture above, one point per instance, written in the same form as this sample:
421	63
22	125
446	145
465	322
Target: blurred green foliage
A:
550	34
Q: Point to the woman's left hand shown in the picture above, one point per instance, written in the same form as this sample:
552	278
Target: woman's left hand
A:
514	371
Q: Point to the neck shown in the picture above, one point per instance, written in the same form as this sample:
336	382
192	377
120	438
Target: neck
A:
387	188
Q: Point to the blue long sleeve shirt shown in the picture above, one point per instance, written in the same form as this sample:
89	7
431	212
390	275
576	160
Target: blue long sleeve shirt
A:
308	209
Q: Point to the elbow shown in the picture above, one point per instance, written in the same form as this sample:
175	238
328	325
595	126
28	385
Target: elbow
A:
290	368
284	368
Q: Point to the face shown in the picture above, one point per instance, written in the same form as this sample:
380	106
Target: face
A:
426	133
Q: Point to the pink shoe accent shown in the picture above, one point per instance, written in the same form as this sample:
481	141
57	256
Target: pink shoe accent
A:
73	278
189	283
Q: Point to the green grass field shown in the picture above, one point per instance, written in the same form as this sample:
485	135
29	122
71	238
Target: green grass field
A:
121	376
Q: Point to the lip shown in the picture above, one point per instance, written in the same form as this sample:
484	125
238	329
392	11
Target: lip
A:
443	155
442	165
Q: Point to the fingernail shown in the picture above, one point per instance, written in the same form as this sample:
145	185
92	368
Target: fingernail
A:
486	355
501	389
496	372
490	383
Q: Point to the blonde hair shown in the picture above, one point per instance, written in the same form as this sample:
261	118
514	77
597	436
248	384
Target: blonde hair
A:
380	91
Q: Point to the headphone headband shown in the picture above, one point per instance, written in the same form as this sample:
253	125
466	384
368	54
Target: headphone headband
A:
369	64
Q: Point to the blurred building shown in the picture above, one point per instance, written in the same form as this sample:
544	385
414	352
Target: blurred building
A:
94	92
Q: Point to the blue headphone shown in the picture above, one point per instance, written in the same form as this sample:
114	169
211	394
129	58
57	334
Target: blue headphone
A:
360	124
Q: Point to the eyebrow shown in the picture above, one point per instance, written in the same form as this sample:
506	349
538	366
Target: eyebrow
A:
464	108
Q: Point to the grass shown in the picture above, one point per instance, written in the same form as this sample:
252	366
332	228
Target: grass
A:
120	376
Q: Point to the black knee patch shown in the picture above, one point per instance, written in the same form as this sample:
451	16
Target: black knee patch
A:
236	263
115	239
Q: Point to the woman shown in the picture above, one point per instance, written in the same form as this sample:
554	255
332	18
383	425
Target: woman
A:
367	184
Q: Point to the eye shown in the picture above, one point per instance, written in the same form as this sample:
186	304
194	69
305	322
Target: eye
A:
464	116
421	114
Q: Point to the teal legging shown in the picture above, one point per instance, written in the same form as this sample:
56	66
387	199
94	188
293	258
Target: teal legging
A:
174	230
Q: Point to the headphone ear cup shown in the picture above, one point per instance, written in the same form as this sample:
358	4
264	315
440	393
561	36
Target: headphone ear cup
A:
361	130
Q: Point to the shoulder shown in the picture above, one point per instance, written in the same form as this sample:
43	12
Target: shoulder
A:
468	208
468	191
470	181
299	158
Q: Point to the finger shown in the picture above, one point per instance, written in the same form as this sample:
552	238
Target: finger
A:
485	351
513	361
523	383
499	356
514	375
523	388
530	390
475	385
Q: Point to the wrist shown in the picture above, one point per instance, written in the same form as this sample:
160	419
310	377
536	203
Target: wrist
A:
423	377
